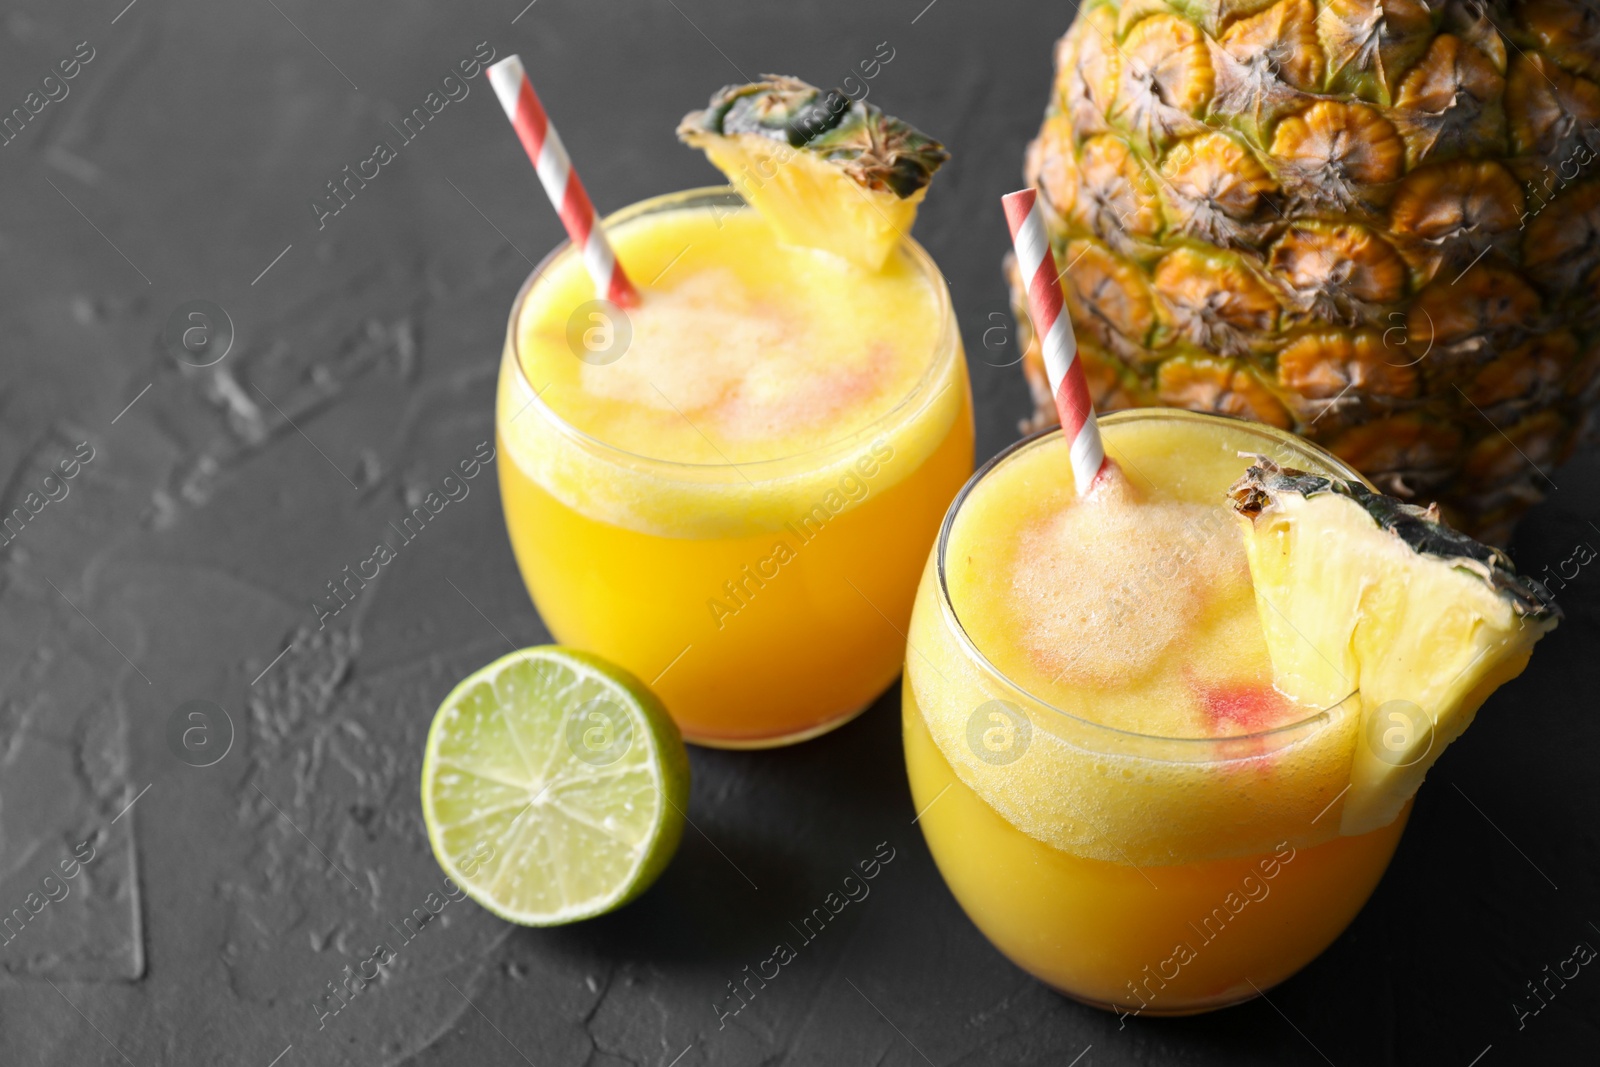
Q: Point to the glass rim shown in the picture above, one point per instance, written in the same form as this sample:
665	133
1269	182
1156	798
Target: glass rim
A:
970	648
945	346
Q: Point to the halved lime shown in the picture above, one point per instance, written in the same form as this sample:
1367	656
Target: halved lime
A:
553	786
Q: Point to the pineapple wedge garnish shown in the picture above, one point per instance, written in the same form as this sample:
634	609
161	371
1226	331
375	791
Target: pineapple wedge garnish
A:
1361	593
825	171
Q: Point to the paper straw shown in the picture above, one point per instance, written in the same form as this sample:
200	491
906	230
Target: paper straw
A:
560	181
1054	328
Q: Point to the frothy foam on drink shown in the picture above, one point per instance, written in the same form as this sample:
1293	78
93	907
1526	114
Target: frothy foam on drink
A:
1139	616
1107	586
737	365
743	351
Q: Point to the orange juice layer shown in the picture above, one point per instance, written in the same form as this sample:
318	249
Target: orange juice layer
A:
1156	940
1125	789
803	426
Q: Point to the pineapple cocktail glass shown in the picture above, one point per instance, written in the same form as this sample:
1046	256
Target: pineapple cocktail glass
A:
728	489
1108	770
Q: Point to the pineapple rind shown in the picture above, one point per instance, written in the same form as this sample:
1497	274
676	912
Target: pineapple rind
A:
1358	592
1419	529
811	203
1461	148
824	170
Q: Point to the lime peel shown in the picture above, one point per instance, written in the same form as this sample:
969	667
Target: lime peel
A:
553	786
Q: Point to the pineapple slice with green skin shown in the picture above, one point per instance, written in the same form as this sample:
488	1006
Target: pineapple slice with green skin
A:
1359	592
825	171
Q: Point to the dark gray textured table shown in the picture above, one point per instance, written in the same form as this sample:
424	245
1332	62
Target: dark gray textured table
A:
207	921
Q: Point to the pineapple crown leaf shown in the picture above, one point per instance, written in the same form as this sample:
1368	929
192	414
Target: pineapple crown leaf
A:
878	151
1419	529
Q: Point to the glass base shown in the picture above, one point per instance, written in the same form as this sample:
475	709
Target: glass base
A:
1163	1013
1171	940
778	740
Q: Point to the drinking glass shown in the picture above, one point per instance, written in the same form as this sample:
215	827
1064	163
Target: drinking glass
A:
1142	874
766	602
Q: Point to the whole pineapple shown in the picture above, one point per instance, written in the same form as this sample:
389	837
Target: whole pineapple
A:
1375	222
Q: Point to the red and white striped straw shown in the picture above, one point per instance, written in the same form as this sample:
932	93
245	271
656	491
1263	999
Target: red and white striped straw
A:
560	181
1054	327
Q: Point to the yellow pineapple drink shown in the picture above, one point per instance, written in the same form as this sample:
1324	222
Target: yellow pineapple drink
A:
729	489
1109	781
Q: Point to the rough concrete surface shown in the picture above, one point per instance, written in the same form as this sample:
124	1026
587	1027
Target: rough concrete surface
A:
184	559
